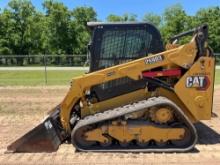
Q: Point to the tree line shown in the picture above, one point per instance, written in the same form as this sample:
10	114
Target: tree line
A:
58	30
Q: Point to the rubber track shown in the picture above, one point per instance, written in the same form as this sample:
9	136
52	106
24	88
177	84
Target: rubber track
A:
135	107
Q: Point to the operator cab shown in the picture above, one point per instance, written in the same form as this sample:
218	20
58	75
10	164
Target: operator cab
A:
116	43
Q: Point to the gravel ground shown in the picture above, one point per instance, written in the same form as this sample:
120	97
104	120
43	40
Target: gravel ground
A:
22	108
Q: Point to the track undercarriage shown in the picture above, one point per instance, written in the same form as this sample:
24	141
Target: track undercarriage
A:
154	125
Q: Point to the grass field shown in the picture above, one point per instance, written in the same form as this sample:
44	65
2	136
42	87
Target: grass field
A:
217	76
33	78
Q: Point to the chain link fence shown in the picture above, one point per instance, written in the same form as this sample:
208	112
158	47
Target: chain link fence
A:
42	60
52	60
45	69
41	69
217	55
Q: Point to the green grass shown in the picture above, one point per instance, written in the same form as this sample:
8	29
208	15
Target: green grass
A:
217	76
33	78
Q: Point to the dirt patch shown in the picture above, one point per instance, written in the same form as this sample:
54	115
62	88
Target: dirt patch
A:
22	108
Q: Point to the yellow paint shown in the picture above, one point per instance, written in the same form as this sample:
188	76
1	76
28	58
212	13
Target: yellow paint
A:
162	115
113	102
173	97
139	132
182	56
198	101
95	135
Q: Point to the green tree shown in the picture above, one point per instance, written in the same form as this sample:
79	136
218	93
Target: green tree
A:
20	15
60	30
5	37
211	17
174	21
82	15
57	37
153	18
5	32
57	21
114	18
127	17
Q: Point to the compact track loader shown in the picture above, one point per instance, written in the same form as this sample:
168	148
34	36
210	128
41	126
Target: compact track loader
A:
137	97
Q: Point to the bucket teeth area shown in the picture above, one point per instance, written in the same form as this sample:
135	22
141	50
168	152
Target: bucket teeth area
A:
43	138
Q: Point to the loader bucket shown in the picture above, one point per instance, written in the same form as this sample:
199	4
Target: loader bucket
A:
43	138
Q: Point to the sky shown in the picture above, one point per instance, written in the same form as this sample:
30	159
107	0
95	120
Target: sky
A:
138	7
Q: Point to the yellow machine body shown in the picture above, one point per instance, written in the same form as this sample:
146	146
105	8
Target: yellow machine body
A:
198	102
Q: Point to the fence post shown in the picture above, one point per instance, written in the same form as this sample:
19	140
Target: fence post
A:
45	68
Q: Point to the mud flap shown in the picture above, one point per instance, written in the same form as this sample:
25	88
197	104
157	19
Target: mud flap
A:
43	138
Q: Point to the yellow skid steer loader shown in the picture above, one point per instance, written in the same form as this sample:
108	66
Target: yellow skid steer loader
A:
137	97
